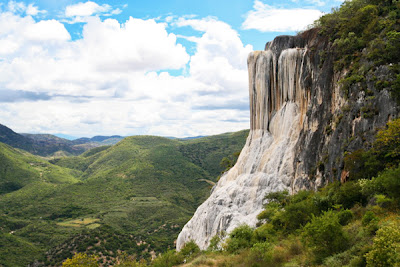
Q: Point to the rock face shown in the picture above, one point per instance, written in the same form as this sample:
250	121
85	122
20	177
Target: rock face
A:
300	126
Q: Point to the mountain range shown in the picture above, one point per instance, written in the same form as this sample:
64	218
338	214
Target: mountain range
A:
133	196
47	145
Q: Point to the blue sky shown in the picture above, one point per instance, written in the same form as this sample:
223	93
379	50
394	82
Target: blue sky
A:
170	68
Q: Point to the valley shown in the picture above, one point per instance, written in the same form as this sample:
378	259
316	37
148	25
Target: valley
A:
131	197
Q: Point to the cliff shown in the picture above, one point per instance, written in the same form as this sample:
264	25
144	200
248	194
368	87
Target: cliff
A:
302	123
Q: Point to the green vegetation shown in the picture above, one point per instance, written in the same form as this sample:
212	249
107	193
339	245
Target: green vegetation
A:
366	40
133	198
81	260
356	223
385	153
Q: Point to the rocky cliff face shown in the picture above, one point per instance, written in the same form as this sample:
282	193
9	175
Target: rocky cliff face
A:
301	125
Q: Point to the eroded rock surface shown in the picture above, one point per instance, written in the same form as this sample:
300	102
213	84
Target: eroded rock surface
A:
296	141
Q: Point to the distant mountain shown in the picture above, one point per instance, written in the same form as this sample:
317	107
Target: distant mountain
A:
106	140
14	139
50	145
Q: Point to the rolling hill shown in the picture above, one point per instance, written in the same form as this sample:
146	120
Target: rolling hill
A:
134	196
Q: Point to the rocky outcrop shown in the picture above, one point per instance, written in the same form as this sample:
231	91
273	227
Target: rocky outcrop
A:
301	124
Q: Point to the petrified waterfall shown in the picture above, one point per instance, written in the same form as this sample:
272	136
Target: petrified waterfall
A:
301	125
277	103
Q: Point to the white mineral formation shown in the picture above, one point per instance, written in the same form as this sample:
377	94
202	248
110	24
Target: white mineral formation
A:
277	106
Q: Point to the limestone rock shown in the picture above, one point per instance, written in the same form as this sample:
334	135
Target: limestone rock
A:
294	98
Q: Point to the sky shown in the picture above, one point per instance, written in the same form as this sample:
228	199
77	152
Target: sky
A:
156	67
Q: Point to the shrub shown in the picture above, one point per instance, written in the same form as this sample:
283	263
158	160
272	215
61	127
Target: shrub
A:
265	232
168	259
259	254
386	246
190	248
215	242
325	236
390	181
345	216
239	238
349	194
370	222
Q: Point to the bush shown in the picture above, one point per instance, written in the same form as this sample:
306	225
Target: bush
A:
168	259
239	238
390	181
325	236
259	254
265	232
386	247
190	249
348	194
215	242
345	216
370	222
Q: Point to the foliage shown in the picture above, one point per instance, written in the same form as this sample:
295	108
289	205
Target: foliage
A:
390	181
385	153
228	162
239	238
386	247
325	235
215	242
168	259
81	260
365	35
190	249
388	140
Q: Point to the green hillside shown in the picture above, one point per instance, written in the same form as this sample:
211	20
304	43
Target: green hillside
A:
134	196
18	169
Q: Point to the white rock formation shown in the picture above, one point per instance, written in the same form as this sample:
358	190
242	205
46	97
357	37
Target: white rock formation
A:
278	103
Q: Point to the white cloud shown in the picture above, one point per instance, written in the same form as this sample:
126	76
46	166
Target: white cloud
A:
20	7
47	30
34	11
86	9
221	58
16	7
266	18
113	79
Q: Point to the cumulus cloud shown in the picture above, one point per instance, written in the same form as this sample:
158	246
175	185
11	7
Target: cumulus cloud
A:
79	13
46	30
86	9
266	18
220	58
114	79
34	10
